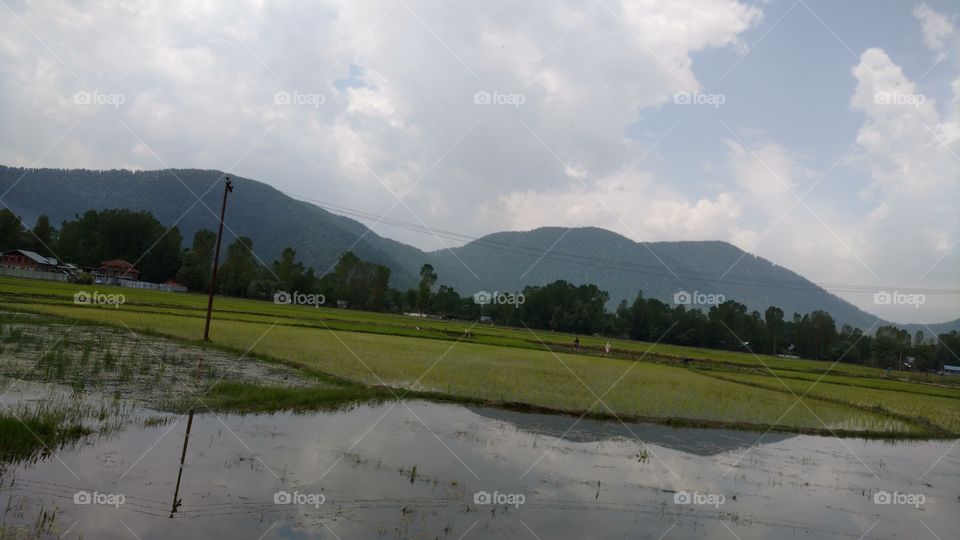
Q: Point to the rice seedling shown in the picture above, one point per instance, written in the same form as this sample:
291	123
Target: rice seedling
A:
377	356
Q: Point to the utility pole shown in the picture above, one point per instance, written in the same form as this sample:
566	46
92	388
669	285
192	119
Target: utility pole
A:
227	188
183	456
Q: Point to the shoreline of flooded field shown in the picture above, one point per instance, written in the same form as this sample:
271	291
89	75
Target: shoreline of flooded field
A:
412	469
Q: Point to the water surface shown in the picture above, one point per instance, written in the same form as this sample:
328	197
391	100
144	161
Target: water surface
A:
556	477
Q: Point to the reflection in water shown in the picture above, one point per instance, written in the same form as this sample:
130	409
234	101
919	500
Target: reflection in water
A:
701	442
422	470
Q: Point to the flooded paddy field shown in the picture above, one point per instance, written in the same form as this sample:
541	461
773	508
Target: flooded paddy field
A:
408	468
423	470
124	364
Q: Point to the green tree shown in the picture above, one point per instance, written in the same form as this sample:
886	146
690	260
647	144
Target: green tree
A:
42	239
197	261
427	279
563	307
136	237
890	346
239	269
363	285
773	318
292	275
11	230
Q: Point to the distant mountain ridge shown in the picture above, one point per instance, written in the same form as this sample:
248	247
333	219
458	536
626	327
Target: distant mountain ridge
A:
504	261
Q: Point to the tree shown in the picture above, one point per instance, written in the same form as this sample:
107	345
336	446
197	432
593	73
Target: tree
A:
291	275
43	236
11	230
947	343
239	270
136	237
162	261
890	345
727	326
427	279
447	302
380	287
563	307
823	333
363	285
197	261
773	318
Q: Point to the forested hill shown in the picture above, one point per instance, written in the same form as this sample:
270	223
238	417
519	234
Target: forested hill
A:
621	267
256	210
504	261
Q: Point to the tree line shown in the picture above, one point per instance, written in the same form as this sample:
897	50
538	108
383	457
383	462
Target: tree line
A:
559	306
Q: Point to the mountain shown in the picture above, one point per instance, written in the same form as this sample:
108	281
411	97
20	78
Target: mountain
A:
504	261
267	216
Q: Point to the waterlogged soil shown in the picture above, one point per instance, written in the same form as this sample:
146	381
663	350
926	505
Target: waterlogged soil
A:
423	470
126	365
412	469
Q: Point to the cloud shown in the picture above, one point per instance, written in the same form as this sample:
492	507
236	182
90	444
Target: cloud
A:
936	27
911	152
382	100
396	85
636	205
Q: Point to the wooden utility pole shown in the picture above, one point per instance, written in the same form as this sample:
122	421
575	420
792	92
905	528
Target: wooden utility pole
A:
183	456
227	188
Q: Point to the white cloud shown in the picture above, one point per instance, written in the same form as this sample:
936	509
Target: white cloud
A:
399	79
635	205
936	27
765	175
911	151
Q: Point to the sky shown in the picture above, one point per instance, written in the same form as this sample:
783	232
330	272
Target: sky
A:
821	135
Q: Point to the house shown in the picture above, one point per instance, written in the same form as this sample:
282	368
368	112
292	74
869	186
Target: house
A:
173	286
27	260
70	269
951	370
116	269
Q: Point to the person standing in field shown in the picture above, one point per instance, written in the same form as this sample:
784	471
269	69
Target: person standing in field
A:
606	348
576	343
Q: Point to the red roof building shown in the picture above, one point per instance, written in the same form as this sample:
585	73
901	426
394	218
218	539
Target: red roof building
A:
119	269
27	260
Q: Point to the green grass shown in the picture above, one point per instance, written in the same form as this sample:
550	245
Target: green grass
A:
36	293
25	434
365	352
942	412
248	397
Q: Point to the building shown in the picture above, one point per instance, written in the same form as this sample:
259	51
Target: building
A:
951	370
117	269
173	286
28	260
